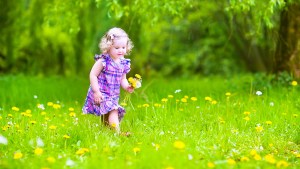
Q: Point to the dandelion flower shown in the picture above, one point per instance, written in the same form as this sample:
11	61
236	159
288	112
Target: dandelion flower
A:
268	122
18	155
184	100
170	96
247	118
66	136
146	105
38	151
208	98
51	160
257	157
82	151
194	98
294	83
270	159
72	114
136	149
15	108
244	159
50	104
228	94
246	112
259	128
179	145
164	100
214	102
282	163
52	127
71	109
211	165
231	161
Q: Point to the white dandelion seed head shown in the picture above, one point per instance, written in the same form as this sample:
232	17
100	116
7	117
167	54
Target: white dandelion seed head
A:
39	142
258	93
70	163
177	91
272	104
3	140
138	84
35	96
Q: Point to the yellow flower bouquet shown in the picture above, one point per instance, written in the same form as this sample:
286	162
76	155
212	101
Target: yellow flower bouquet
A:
135	82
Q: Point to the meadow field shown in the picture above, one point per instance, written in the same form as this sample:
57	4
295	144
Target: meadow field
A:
209	122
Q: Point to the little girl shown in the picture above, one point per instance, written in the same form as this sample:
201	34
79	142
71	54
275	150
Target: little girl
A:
107	75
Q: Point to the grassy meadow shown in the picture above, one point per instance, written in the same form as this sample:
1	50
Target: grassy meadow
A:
241	122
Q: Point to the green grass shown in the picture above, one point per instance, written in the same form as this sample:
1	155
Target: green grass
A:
213	132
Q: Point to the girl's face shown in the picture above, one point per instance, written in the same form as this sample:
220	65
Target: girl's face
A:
118	49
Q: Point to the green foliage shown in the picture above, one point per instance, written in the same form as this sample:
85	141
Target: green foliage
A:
175	38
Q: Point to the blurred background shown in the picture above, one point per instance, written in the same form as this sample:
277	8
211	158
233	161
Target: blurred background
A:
179	38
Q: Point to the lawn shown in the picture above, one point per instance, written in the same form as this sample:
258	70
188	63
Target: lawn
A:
213	122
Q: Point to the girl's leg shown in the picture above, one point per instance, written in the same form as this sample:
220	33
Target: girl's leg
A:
113	120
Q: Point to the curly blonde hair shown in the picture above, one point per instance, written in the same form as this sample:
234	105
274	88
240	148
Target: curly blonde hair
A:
108	39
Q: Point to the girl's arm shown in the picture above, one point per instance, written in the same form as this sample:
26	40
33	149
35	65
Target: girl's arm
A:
125	85
95	71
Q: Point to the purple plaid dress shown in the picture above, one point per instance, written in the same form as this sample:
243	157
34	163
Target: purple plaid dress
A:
109	81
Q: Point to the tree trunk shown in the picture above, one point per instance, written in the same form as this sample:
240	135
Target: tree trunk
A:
287	55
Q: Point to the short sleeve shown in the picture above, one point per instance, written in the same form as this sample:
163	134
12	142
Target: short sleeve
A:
104	59
126	63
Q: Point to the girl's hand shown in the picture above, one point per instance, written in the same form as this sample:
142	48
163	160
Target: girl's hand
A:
130	89
98	97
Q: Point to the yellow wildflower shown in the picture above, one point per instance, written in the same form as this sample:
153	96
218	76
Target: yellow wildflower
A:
56	106
138	76
51	160
281	164
179	145
294	83
170	96
146	105
9	115
211	165
50	104
71	109
38	151
72	114
52	127
228	94
194	98
268	122
257	157
82	151
164	100
157	105
136	149
184	100
246	113
66	136
231	161
259	128
15	108
208	98
247	118
214	102
18	155
270	159
244	159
